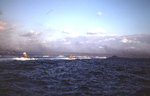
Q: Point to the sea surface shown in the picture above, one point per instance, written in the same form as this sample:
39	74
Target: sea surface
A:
91	77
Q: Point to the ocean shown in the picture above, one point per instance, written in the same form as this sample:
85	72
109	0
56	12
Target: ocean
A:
87	77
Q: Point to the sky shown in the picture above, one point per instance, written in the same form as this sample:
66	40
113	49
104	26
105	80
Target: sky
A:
90	26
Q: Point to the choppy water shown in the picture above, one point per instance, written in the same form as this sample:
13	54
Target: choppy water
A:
110	77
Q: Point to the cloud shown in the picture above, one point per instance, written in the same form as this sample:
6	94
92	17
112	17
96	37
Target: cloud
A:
131	47
96	41
111	44
31	33
110	39
14	26
67	43
70	33
11	40
96	31
3	26
100	47
7	36
125	40
3	23
108	45
99	13
67	31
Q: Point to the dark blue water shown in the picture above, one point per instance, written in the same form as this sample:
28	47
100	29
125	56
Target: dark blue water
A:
110	77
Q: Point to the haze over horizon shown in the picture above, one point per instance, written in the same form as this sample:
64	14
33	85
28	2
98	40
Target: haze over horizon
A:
120	27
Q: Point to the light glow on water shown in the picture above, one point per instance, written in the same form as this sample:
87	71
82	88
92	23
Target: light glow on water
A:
53	58
24	59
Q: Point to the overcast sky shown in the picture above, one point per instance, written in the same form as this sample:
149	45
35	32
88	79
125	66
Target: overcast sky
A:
90	26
